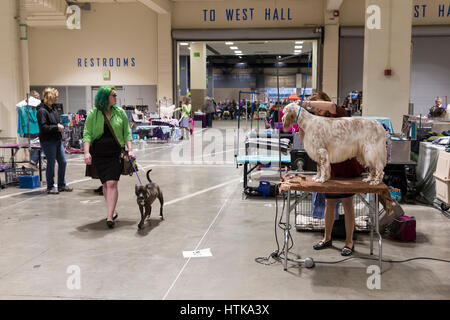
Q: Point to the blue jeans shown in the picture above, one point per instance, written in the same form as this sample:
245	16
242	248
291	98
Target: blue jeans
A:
54	150
34	155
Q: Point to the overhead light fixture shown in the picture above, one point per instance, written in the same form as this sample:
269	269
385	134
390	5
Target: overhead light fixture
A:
298	47
228	43
238	52
184	44
298	42
234	48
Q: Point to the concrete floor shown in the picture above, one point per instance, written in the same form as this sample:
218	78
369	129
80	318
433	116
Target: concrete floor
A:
42	235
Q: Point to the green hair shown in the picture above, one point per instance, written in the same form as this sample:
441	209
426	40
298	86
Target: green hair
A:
102	98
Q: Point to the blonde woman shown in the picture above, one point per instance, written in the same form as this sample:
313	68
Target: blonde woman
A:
50	129
185	114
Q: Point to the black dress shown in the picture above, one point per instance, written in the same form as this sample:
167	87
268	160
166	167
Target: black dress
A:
105	153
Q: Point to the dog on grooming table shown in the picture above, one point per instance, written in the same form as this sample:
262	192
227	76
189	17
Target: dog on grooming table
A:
333	140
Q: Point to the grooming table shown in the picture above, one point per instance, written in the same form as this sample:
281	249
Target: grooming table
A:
267	144
14	148
337	185
257	160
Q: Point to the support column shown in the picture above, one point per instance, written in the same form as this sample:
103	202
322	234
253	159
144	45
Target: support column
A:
198	75
388	47
11	82
165	84
210	92
314	68
331	56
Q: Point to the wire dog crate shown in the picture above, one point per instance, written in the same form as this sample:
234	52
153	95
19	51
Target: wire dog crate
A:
305	221
12	174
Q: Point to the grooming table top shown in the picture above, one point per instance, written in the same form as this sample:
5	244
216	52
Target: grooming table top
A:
261	159
336	185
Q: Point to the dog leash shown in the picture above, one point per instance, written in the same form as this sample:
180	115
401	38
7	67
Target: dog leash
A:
304	88
135	171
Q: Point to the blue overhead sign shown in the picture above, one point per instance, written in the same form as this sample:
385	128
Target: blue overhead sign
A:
248	14
423	10
106	62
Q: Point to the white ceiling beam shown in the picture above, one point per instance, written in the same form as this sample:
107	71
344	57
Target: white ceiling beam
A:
159	6
334	4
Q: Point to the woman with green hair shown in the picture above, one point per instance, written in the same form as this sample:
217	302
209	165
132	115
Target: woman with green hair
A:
102	148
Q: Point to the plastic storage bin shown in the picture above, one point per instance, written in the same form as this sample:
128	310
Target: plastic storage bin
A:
400	150
442	176
28	182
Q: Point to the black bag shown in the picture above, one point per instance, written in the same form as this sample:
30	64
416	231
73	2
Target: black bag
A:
338	231
127	166
91	171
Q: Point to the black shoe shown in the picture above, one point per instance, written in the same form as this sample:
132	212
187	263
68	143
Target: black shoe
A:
99	189
322	245
114	217
347	251
65	188
110	224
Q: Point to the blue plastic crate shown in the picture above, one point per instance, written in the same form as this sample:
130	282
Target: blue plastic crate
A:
28	182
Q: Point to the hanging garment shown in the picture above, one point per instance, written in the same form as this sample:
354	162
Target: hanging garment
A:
27	115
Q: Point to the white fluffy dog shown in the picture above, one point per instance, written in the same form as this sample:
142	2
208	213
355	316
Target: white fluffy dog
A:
166	112
333	140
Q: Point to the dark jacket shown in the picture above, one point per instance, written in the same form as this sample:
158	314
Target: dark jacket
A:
48	119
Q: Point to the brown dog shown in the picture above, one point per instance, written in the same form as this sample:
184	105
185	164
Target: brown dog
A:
146	195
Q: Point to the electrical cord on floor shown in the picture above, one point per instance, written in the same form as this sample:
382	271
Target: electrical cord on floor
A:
389	261
277	254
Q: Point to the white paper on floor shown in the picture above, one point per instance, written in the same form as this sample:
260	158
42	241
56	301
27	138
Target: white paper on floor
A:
197	253
89	201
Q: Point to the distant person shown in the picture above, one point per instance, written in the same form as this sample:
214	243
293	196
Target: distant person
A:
186	108
210	110
438	110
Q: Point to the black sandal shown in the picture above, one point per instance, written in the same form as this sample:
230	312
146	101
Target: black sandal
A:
116	215
322	245
347	251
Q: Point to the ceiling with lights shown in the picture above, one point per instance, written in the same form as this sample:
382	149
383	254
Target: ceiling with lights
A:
252	48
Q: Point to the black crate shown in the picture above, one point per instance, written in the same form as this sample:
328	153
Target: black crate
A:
12	174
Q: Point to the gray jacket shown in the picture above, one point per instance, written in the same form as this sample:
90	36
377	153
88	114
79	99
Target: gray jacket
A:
209	106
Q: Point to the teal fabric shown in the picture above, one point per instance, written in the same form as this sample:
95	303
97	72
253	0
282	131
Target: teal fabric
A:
22	127
262	159
93	128
386	121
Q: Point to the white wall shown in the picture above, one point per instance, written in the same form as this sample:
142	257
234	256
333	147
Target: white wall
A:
430	72
10	72
121	30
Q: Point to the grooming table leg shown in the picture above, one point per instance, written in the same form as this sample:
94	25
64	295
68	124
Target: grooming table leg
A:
380	239
371	228
286	232
245	175
40	165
